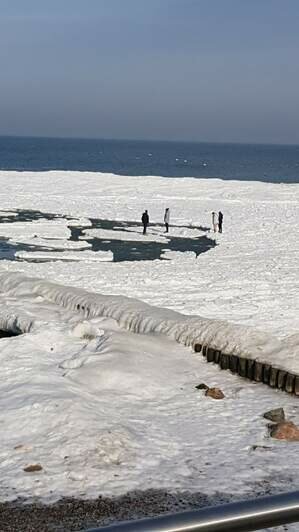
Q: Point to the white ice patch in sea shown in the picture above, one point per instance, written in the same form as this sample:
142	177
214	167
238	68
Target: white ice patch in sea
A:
40	229
52	243
84	256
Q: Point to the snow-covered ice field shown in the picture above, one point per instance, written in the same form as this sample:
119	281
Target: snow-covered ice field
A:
106	411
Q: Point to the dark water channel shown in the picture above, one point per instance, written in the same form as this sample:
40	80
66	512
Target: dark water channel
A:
122	249
8	249
132	250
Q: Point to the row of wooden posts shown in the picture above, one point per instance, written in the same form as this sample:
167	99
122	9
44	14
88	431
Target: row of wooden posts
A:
251	369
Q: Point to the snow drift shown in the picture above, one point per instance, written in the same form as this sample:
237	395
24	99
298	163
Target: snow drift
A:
139	317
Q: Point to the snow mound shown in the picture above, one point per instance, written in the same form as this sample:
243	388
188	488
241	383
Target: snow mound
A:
138	317
79	222
113	445
86	331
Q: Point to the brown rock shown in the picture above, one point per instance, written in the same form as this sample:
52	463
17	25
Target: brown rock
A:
215	393
276	415
32	468
286	430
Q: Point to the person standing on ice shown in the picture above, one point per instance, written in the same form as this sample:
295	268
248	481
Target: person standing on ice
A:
145	221
166	219
214	223
220	220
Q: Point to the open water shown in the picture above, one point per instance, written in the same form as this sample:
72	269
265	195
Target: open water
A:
271	163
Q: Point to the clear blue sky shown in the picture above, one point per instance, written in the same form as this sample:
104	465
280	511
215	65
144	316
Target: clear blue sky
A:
208	70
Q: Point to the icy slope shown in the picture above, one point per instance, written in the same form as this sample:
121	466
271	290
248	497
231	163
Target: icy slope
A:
106	411
16	323
139	317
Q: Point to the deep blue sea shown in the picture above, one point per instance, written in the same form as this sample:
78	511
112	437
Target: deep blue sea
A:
271	163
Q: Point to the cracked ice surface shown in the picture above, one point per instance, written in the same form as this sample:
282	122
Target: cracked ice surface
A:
105	410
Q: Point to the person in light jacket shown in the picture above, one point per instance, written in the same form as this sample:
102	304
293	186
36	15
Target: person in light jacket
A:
214	222
145	221
166	219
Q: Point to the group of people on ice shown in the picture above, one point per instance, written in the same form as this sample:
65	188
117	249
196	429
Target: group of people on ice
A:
217	223
145	220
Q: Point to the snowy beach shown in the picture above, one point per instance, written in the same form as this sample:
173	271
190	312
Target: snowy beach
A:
105	411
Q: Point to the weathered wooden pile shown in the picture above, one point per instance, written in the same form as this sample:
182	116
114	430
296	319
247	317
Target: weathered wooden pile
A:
251	369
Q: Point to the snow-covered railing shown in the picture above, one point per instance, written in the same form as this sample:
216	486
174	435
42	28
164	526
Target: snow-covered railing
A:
244	350
245	516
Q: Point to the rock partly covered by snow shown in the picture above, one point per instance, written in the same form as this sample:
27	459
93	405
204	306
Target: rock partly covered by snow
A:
285	430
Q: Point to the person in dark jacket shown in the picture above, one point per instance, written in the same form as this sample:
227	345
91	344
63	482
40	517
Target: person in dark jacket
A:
145	221
166	219
220	220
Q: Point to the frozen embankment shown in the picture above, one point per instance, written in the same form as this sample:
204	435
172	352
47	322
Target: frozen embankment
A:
14	323
244	350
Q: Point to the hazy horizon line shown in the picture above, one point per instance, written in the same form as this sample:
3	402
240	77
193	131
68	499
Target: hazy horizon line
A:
169	141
